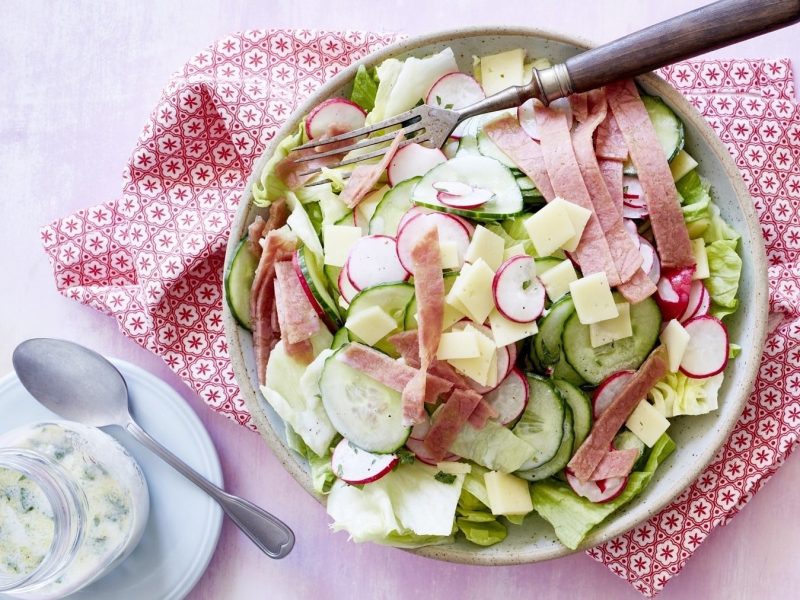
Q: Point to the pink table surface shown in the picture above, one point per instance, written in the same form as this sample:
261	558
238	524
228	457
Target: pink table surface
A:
66	64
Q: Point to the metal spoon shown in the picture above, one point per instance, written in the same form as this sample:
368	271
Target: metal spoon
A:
80	385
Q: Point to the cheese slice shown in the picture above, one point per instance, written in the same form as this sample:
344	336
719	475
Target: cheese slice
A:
676	339
701	270
500	71
579	217
473	290
486	245
507	332
556	280
366	208
371	324
483	368
454	468
338	241
592	298
458	344
681	165
515	250
448	251
550	228
647	423
508	494
611	330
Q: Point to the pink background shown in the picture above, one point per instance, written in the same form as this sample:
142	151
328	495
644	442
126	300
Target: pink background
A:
65	64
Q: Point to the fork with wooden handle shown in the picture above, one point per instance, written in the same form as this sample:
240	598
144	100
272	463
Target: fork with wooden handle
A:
687	35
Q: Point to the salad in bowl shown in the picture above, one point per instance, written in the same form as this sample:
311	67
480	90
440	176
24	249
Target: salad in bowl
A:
459	340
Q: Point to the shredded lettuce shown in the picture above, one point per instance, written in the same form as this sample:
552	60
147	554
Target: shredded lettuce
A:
485	533
322	475
414	80
335	175
494	447
269	187
365	87
573	517
475	520
725	266
387	73
301	224
676	394
695	197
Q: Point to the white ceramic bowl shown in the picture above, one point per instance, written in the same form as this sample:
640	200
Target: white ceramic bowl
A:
697	438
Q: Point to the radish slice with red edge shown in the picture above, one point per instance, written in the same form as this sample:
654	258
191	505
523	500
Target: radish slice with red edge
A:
609	389
449	228
650	262
411	213
510	398
461	195
632	193
598	492
632	212
413	160
373	260
424	455
454	90
707	351
309	294
518	293
512	357
346	289
705	304
672	292
353	465
696	291
334	116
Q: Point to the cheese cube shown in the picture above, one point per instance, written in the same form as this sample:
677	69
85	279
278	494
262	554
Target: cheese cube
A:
515	250
701	259
556	280
483	368
371	324
647	423
579	217
508	494
458	344
549	228
507	332
486	245
473	289
499	71
676	339
448	252
338	241
681	165
619	328
592	298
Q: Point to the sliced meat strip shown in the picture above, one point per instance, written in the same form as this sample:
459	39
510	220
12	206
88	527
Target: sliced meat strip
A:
672	238
482	413
364	177
508	135
616	463
637	288
255	231
593	253
580	106
389	372
611	170
288	170
300	320
302	350
407	344
596	445
609	142
448	421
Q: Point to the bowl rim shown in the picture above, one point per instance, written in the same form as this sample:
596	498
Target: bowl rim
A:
691	117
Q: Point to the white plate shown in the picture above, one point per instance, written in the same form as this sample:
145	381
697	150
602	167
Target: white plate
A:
184	524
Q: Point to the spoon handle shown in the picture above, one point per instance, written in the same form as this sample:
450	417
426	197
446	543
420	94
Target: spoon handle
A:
269	533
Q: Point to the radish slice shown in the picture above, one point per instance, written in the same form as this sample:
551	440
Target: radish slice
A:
354	465
707	352
650	262
598	492
632	192
309	294
461	195
696	291
518	293
413	160
423	454
337	115
411	213
346	289
454	90
631	227
512	357
373	260
526	114
631	212
510	398
705	304
608	390
450	147
672	292
449	227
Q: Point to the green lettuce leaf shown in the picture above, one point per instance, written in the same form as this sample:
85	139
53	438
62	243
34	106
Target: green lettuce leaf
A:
573	517
387	74
365	87
322	475
269	187
493	447
725	266
475	520
486	533
717	228
695	199
676	394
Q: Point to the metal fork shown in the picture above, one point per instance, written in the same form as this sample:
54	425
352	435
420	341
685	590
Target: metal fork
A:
679	38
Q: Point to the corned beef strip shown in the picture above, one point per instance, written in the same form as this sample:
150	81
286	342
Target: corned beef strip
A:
609	142
448	421
302	350
611	170
299	321
616	463
364	177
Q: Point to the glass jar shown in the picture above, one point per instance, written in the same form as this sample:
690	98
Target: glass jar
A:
73	504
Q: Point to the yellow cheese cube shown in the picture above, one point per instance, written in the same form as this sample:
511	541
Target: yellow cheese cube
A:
592	298
579	217
508	494
458	344
550	228
448	252
647	423
486	245
507	332
473	289
681	165
556	280
619	328
480	368
515	250
499	71
371	324
338	241
701	259
676	339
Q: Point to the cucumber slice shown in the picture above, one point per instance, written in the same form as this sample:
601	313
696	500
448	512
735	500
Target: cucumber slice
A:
547	343
340	338
669	129
363	410
595	364
392	207
468	145
581	408
560	460
239	282
546	263
392	298
410	321
317	282
346	219
563	370
488	148
542	423
526	184
479	172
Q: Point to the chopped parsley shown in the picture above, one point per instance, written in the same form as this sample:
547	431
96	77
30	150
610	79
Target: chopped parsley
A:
443	477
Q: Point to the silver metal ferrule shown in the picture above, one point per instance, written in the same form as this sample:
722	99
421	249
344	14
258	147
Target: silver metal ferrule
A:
554	82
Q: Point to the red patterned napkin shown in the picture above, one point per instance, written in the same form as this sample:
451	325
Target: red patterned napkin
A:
153	257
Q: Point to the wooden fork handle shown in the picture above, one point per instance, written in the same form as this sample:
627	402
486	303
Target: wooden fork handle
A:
701	30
